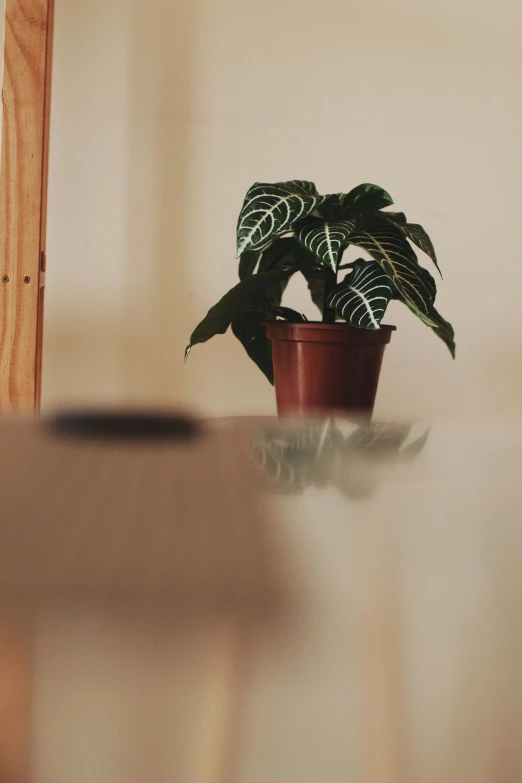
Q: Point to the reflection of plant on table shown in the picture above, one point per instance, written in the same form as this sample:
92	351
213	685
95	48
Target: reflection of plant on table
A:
321	454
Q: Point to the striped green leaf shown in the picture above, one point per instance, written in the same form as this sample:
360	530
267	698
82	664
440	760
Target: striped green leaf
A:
419	237
444	330
325	239
435	321
395	217
415	233
363	296
271	209
388	246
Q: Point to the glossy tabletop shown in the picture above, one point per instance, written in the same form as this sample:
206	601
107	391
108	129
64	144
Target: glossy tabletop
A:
408	539
402	661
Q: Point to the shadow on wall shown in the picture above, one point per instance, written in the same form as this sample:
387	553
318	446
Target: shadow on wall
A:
155	283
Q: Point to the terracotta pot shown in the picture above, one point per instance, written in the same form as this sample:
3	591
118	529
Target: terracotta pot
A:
326	367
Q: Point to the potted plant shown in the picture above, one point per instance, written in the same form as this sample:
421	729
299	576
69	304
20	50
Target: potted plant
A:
333	364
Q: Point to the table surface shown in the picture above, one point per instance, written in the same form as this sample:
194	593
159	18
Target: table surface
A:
409	539
404	544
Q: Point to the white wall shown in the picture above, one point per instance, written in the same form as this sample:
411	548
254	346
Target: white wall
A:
165	113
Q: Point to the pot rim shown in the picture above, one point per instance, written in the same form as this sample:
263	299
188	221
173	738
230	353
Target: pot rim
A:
321	325
317	332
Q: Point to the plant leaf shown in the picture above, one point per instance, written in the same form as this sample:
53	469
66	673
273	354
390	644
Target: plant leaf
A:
247	263
387	245
444	330
249	329
331	208
314	274
396	217
325	239
363	199
289	314
280	253
419	237
366	198
435	321
414	232
271	209
250	294
363	296
248	326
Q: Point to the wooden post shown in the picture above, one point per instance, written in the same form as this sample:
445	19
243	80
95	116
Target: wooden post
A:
23	186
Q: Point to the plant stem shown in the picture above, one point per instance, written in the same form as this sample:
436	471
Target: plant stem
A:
330	281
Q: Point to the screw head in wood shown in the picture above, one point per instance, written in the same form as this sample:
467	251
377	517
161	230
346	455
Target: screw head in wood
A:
27	279
5	279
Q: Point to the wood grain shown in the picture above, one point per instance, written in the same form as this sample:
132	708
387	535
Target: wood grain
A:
15	704
23	181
